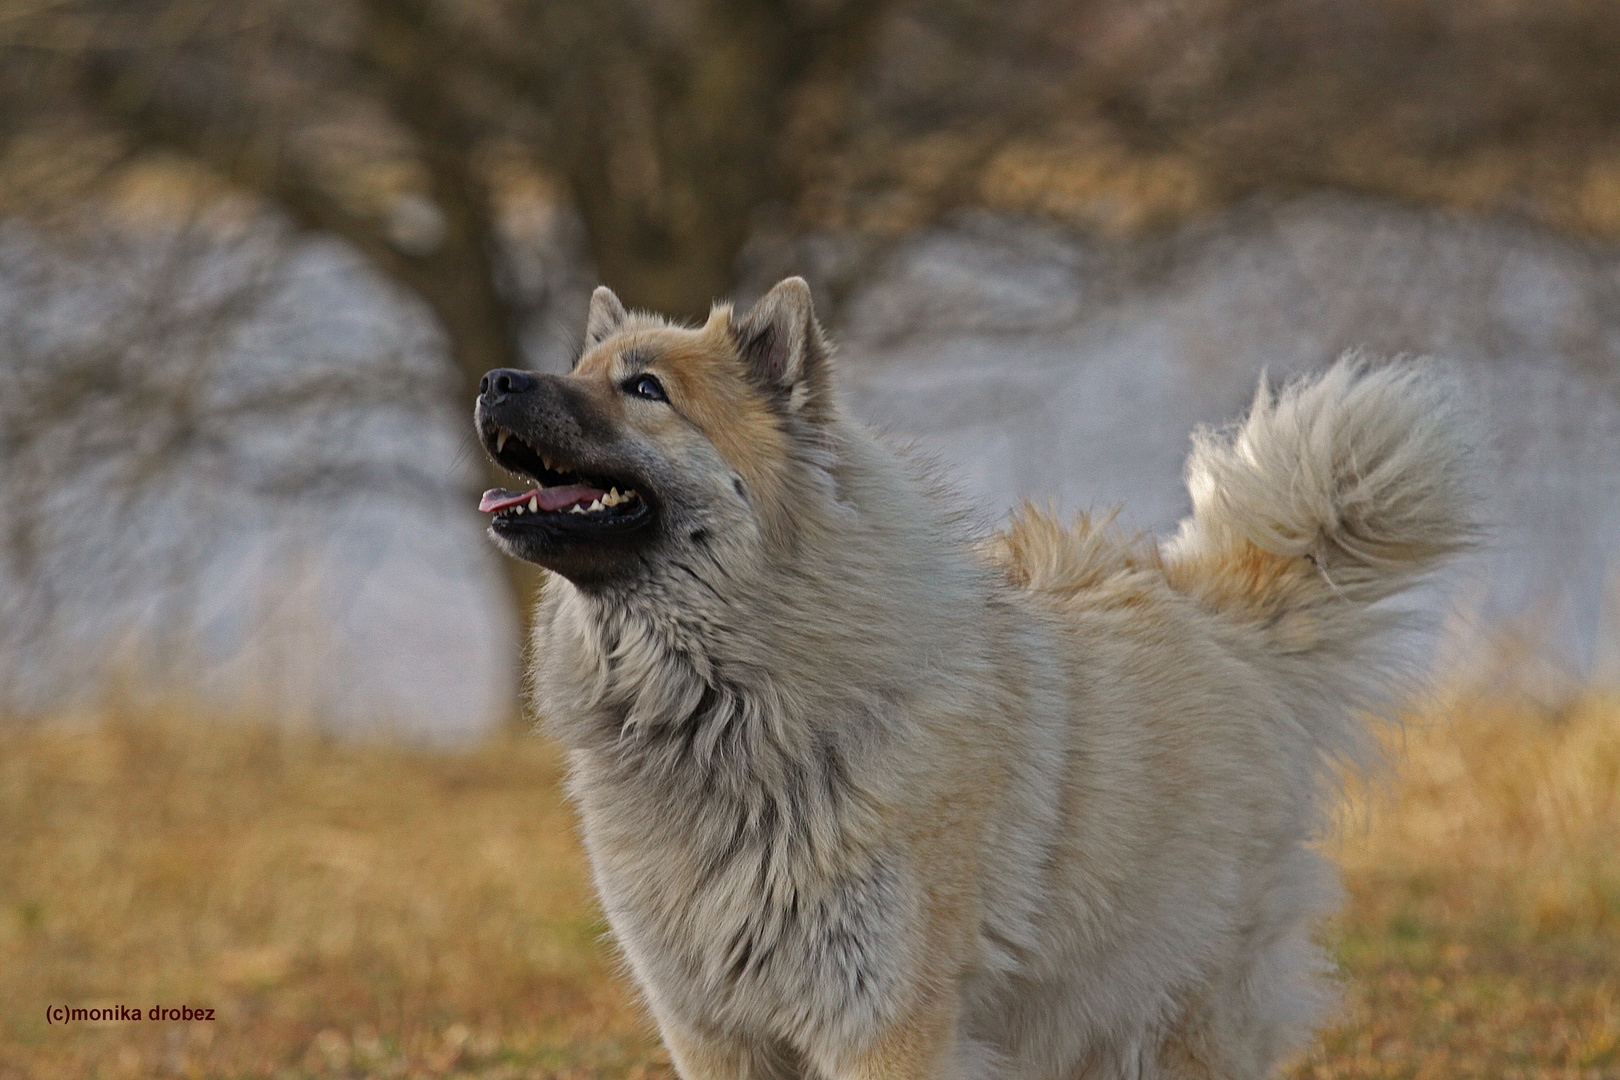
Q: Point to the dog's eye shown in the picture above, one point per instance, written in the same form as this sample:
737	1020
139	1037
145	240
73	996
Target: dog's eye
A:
645	386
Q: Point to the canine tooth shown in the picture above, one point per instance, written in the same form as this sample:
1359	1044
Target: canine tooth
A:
500	441
534	503
596	504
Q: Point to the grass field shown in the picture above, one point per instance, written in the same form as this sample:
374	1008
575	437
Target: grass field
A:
373	910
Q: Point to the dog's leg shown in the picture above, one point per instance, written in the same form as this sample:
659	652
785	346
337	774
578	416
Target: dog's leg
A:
714	1057
921	1046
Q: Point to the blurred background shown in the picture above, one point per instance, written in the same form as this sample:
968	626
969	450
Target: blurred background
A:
254	256
260	736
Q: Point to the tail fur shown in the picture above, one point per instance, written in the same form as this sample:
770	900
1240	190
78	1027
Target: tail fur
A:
1348	486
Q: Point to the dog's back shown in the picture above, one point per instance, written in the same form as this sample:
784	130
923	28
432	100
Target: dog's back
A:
1338	492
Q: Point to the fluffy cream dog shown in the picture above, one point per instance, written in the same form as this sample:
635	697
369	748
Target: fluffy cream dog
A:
869	796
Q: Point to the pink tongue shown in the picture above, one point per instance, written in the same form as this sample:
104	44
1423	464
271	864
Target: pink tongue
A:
551	498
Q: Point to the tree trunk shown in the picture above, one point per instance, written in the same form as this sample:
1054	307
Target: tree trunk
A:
458	277
671	150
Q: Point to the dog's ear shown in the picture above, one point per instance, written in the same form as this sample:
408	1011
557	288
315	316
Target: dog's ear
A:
784	350
607	315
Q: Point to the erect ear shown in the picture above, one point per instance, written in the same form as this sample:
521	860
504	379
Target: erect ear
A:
784	350
606	315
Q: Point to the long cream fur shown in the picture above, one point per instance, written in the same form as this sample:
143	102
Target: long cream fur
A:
869	796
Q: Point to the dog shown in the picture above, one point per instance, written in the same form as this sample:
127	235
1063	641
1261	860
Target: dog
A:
869	795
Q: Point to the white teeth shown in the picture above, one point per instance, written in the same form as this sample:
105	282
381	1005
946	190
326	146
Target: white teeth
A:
576	509
518	512
596	505
534	503
500	441
546	462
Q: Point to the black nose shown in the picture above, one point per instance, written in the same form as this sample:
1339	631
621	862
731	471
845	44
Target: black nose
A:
503	383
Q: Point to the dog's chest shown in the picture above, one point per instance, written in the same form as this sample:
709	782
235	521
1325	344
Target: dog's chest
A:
733	907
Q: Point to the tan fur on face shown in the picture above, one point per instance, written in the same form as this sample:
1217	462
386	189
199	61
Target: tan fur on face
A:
708	388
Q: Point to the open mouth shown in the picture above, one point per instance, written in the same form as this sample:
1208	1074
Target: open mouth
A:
561	497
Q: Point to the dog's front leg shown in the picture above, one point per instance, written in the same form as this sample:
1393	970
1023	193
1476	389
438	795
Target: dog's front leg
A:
704	1056
923	1045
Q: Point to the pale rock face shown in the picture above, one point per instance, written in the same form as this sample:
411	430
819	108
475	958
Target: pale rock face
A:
321	562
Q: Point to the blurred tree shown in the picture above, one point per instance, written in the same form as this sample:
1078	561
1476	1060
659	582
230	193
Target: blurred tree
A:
423	131
411	127
392	123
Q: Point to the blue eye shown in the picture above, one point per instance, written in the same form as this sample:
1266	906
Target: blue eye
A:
645	386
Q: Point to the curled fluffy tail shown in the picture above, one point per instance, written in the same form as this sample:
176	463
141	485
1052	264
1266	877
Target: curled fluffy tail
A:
1347	486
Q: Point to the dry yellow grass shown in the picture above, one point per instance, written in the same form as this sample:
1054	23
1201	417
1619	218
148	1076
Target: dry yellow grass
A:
345	909
375	910
1482	933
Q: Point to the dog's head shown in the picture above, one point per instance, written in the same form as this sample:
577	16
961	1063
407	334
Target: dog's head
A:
662	438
